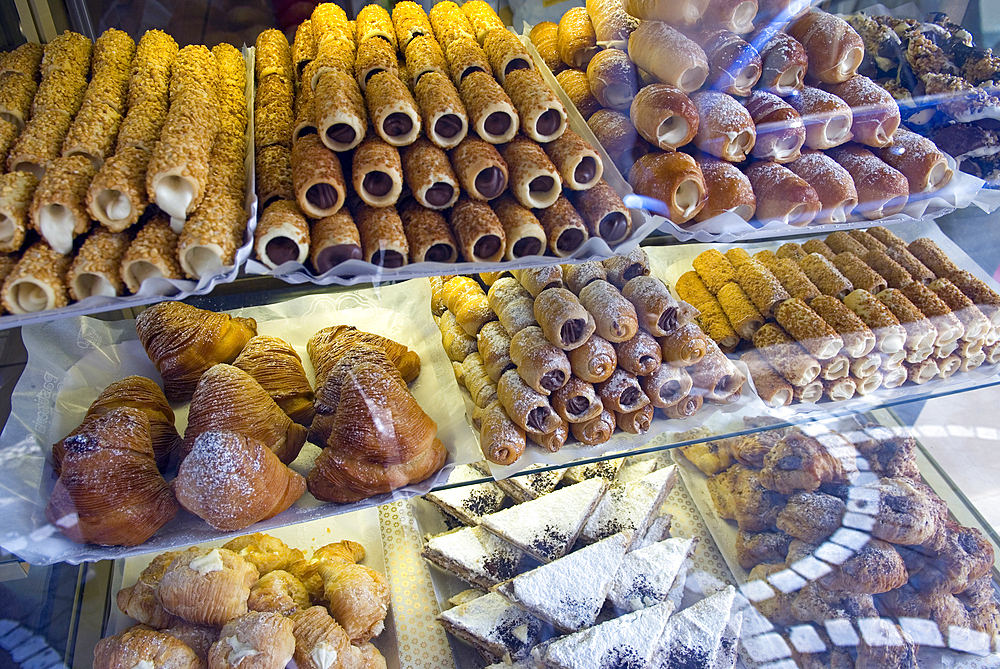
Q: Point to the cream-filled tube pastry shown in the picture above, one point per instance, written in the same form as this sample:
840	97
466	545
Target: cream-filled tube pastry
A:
479	232
782	195
423	56
664	116
512	304
564	228
545	36
786	355
178	169
783	61
949	327
735	66
686	12
58	209
739	310
771	387
613	78
15	99
383	240
762	287
860	274
577	88
825	276
729	190
506	54
919	160
491	112
674	179
305	114
95	268
579	165
392	110
975	324
779	128
615	132
811	331
834	48
576	38
429	175
612	24
282	235
910	263
534	180
524	235
330	22
876	114
442	110
890	336
374	56
563	319
859	341
427	233
480	168
493	344
334	239
341	119
39	143
151	255
833	185
725	127
37	281
606	215
544	367
16	192
882	190
93	132
377	172
716	378
317	178
576	277
687	66
541	114
826	117
921	335
117	195
733	15
211	236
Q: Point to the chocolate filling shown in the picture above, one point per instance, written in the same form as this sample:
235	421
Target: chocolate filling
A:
448	125
585	170
668	319
396	124
490	182
541	184
281	249
647	362
548	122
553	380
486	246
516	64
790	463
439	252
572	330
322	195
723	383
527	246
536	418
439	194
341	133
628	397
372	72
389	259
377	183
670	390
613	226
577	406
497	123
633	270
336	254
570	240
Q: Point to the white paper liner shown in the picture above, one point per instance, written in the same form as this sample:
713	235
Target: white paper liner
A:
71	360
669	263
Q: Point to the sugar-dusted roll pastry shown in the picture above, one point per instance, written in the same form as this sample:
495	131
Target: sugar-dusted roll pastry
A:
783	59
563	319
882	190
282	235
640	355
565	229
542	115
786	355
792	251
513	305
576	38
579	165
593	361
482	389
674	179
635	422
663	115
334	239
493	344
811	331
782	195
317	178
612	24
524	235
876	114
375	56
457	343
576	401
932	257
949	327
536	279
506	54
761	286
606	215
884	236
480	168
921	335
37	281
427	233
832	182
482	18
623	268
687	68
687	13
477	229
895	275
383	240
614	315
827	118
274	175
729	190
666	386
16	192
576	277
596	430
534	180
341	118
613	79
409	20
442	110
658	312
771	387
919	160
529	409
392	109
976	325
890	336
739	310
733	15
491	112
779	128
618	136
95	267
541	365
151	255
834	48
735	66
716	378
621	392
725	127
545	36
501	440
916	269
684	345
858	273
58	209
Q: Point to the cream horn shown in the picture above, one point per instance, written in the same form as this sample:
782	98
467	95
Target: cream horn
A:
782	195
576	401
117	195
333	240
565	322
916	269
341	118
493	344
818	246
449	23
733	15
833	185
282	235
761	286
465	56
534	180
614	315
330	22
612	24
58	209
95	269
464	297
666	386
491	112
639	355
377	172
16	192
882	190
949	327
383	240
729	190
663	115
457	343
480	168
619	138
714	269
827	118
725	127
501	440
303	47
544	367
613	79
37	281
392	109
317	178
657	310
735	66
739	310
793	279
716	378
427	233
423	56
621	269
683	346
578	163
576	38
151	255
606	215
576	277
505	54
674	179
919	160
834	48
890	336
786	355
876	114
593	361
541	113
635	422
529	409
860	274
975	324
483	18
375	56
512	304
825	276
429	175
688	12
565	229
524	235
545	36
274	175
477	229
409	20
577	88
783	61
687	67
442	110
842	242
779	128
621	392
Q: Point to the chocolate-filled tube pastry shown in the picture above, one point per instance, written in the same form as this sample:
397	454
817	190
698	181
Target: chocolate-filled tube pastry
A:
916	269
579	165
334	239
666	386
596	430
464	57
555	440
480	168
576	38
542	115
860	275
948	326
779	128
305	114
606	215
716	378
577	401
429	175
859	341
442	109
729	190
876	114
501	440
534	180
834	48
640	355
595	360
449	23
383	240
529	409
58	209
664	116
317	178
614	315
770	385
424	56
409	21
786	355
377	172
725	127
564	227
341	119
542	366
687	68
882	190
152	254
392	109
537	279
618	136
895	275
811	331
513	305
739	310
673	178
506	54
621	269
479	232
565	322
524	235
783	59
919	160
493	344
975	324
921	335
613	79
95	268
782	195
576	277
733	15
635	422
492	113
687	407
282	235
16	192
684	346
833	185
735	64
827	118
374	56
37	281
273	172
687	12
657	310
621	392
825	275
545	36
761	286
427	233
890	336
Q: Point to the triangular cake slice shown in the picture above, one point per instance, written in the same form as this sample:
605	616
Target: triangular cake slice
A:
693	636
494	626
647	575
476	556
468	503
606	469
628	641
635	468
531	486
547	527
725	658
658	530
630	505
570	591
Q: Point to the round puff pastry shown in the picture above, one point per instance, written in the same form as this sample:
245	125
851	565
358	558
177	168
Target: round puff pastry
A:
257	640
208	587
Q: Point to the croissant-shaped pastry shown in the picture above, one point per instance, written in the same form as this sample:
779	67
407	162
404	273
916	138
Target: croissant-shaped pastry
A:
198	638
139	601
329	344
257	640
328	392
358	596
280	592
136	647
383	439
228	399
320	643
464	297
139	393
265	552
207	587
277	367
184	341
109	483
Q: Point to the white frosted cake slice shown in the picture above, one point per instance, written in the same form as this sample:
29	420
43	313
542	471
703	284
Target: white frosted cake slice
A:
647	575
531	486
658	530
628	641
547	527
694	635
494	626
476	556
630	505
570	591
725	658
468	503
635	468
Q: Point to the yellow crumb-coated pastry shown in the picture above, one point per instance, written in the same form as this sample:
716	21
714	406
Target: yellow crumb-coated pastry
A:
714	269
740	311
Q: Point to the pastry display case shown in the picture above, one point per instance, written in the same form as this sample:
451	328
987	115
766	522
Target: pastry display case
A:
631	333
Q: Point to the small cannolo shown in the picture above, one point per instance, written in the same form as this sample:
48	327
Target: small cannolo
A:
827	118
729	190
151	255
614	315
374	21
606	215
687	68
595	431
524	235
779	128
377	172
577	88
505	54
578	163
770	385
576	277
840	389
58	209
613	79
334	239
409	20
858	273
501	440
450	23
885	237
825	275
792	251
282	235
383	240
274	175
303	47
612	24
916	269
820	247
15	98
37	282
735	65
464	57
341	118
483	18
894	376
564	228
921	334
544	367
683	346
117	195
594	361
392	109
542	116
895	275
930	254
480	168
657	310
178	170
512	304
782	195
272	55
975	324
442	109
664	116
882	190
672	178
666	386
992	353
783	59
890	336
833	185
623	268
761	286
739	310
8	135
529	409
576	38
858	339
565	322
972	361
809	329
876	114
427	233
534	180
716	378
479	233
921	372
305	114
714	269
492	113
712	318
375	56
545	36
865	365
493	344
95	269
63	90
17	190
786	355
576	401
834	48
317	178
39	143
429	175
211	236
536	279
793	279
725	127
948	365
640	355
949	328
275	122
619	138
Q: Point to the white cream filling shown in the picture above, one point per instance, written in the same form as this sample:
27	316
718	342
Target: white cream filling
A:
618	95
785	148
7	229
864	367
239	650
144	664
927	340
973	361
57	225
692	79
881	136
849	64
738	144
829	349
687	196
114	204
743	16
140	270
842	210
671	132
174	195
947	349
795	214
201	260
837	369
893	359
29	296
936	177
747	77
790	78
993	357
894	377
919	355
211	561
841	392
323	655
892	342
837	129
869	383
811	393
744	211
975	329
948	367
781	398
946	334
88	283
926	373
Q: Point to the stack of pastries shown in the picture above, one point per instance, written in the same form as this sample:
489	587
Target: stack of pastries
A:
252	408
253	598
846	315
91	136
709	109
881	543
402	138
576	350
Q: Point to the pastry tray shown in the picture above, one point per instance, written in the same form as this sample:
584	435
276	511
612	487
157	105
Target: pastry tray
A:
160	289
71	360
669	263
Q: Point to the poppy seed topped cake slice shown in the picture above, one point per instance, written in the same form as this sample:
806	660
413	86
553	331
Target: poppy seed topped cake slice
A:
694	635
476	556
468	503
494	626
547	527
606	469
630	505
526	487
569	592
647	575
